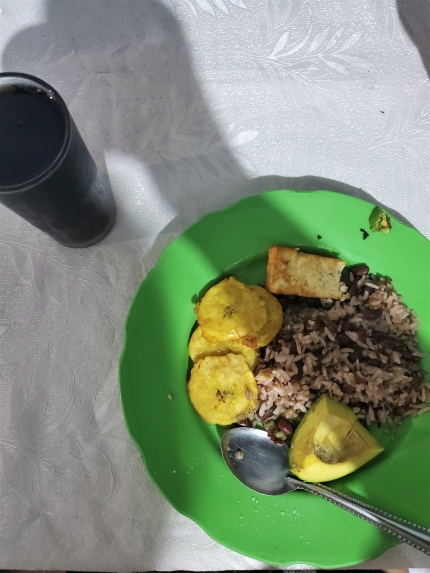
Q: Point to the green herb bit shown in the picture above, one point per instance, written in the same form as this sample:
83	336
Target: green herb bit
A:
379	221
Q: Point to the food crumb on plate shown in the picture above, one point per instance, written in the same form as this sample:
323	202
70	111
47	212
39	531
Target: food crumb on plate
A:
170	397
379	221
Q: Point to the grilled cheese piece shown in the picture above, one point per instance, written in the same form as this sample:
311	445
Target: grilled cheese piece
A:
290	272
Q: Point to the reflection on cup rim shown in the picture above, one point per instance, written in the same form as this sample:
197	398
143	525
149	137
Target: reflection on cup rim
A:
29	80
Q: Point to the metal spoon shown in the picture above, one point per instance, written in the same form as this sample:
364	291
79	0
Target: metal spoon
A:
264	467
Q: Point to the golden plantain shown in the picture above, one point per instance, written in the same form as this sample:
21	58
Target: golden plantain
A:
199	347
230	311
275	316
223	389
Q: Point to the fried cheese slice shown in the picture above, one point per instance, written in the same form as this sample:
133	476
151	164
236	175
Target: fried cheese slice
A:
291	272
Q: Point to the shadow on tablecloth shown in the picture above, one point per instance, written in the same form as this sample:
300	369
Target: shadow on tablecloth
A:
415	17
129	80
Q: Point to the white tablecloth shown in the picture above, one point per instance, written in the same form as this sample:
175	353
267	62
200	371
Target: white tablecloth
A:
189	105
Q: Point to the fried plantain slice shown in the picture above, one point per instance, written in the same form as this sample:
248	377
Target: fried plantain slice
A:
223	389
275	317
199	347
230	311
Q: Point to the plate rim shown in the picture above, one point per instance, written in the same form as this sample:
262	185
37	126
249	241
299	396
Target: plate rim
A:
150	275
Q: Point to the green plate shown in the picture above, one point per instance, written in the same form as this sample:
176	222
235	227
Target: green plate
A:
181	452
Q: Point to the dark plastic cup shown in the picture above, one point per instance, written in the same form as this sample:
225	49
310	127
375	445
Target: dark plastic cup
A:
47	175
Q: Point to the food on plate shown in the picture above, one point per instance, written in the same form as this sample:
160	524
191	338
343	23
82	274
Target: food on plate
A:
290	272
274	319
362	352
229	311
199	347
234	319
330	443
222	389
365	233
379	221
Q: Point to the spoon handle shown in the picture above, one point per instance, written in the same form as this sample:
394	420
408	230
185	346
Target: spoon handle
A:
415	535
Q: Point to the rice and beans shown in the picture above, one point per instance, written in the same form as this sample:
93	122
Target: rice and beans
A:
362	351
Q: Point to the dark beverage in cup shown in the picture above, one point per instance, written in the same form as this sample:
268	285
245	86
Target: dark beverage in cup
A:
47	175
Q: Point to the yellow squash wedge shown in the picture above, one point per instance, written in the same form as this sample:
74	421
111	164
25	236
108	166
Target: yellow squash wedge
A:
330	443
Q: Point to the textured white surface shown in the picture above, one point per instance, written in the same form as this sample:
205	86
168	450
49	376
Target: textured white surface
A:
189	105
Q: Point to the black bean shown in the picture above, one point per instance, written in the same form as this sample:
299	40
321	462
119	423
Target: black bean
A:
356	355
260	366
400	411
386	341
343	339
372	361
275	440
332	326
295	346
299	365
362	334
287	335
368	289
414	368
346	325
353	289
347	389
284	302
407	355
345	278
285	426
267	414
291	345
372	313
246	423
359	270
317	351
416	381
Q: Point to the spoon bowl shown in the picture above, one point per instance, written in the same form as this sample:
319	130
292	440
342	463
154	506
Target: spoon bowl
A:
264	467
256	461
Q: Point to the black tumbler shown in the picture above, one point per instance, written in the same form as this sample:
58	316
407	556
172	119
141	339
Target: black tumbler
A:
47	175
